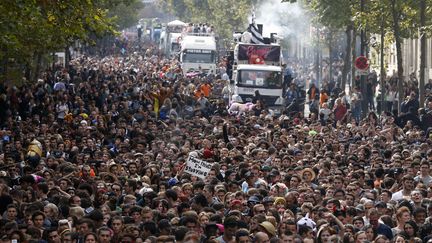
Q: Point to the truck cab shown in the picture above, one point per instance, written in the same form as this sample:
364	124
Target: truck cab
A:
198	53
171	37
257	67
266	79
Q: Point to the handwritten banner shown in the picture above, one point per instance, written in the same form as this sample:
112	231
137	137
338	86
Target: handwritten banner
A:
197	167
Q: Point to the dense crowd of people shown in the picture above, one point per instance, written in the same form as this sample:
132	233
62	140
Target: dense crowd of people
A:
96	152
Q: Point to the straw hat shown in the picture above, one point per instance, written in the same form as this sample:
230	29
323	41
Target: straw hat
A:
310	171
269	228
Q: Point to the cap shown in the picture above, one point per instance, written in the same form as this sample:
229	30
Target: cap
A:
172	182
380	204
275	172
254	199
360	208
268	200
234	202
266	168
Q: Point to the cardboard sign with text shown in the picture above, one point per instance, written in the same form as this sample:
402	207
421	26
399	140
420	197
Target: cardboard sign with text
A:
197	167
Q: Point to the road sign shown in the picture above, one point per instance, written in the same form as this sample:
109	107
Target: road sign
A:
359	72
361	63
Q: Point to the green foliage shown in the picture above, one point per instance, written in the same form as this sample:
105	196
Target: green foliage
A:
32	28
126	14
225	15
326	15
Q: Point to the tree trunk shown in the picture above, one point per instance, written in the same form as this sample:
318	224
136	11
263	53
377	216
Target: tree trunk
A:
4	63
317	62
422	51
396	31
346	67
67	57
38	65
363	78
354	55
382	69
330	43
27	71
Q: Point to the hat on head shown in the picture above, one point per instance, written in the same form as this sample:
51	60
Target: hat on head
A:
112	163
310	170
266	168
207	153
360	208
268	200
279	200
254	199
172	182
235	202
380	204
269	228
306	221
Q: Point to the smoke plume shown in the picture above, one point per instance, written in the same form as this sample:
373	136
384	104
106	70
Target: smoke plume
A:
285	19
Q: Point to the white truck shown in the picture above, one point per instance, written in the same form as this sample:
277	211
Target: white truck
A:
257	67
198	53
171	37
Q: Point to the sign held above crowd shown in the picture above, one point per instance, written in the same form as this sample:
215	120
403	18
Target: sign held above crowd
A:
197	167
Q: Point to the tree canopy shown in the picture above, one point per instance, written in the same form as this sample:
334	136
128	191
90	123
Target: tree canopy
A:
225	15
35	27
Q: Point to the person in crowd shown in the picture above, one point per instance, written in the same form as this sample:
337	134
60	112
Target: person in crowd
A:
134	151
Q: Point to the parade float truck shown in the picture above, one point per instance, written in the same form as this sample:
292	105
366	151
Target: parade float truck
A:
171	38
198	53
258	67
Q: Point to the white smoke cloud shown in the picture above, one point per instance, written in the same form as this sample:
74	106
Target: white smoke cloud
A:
285	19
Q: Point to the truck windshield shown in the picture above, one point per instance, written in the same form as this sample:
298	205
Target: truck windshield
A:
198	56
262	79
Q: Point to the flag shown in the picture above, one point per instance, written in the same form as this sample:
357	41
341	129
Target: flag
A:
256	36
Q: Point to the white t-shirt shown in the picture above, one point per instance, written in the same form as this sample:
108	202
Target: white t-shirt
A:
398	196
326	112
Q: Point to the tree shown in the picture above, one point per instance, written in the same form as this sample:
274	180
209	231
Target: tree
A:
33	28
324	13
125	14
422	18
400	17
225	15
